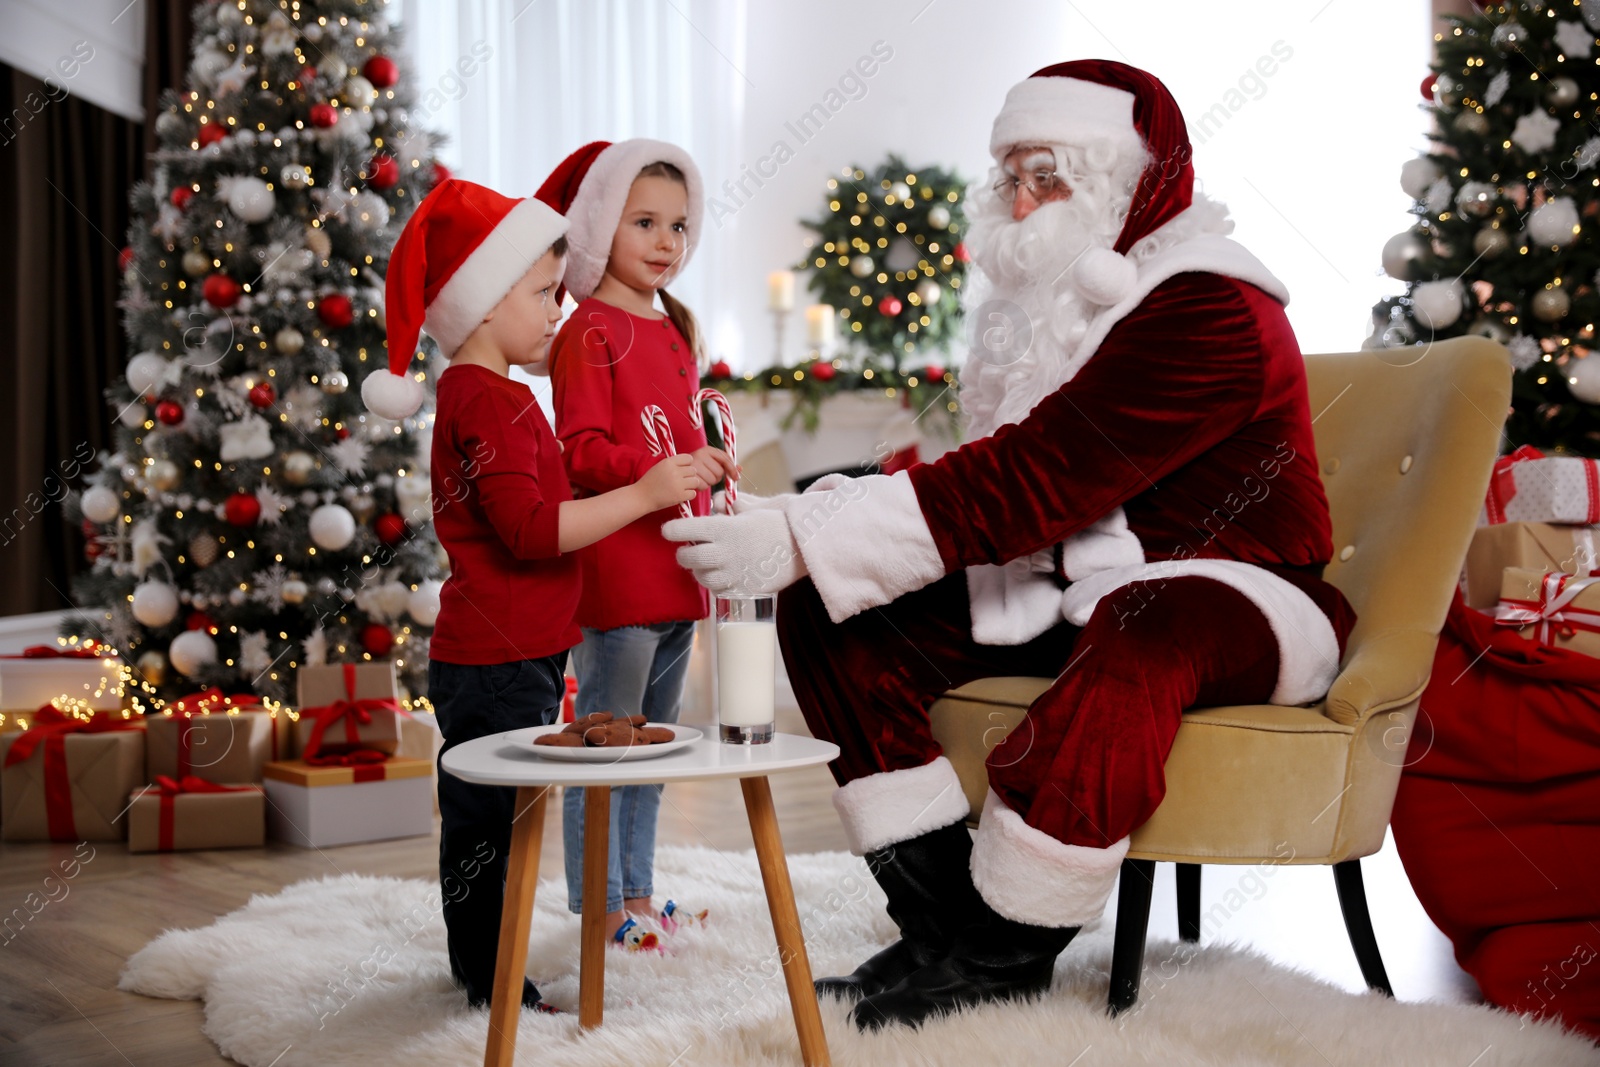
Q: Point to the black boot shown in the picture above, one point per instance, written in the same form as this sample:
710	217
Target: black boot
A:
929	884
992	959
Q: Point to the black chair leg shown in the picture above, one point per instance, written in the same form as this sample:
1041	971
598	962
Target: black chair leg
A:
1133	922
1357	920
1188	902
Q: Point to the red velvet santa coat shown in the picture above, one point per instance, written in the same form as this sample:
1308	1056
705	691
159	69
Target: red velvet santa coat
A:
607	365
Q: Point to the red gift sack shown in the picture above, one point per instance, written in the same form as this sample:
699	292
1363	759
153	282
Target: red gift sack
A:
1497	819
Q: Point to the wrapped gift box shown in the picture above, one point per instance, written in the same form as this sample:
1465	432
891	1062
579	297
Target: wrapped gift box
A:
339	696
191	814
47	675
1526	545
1555	609
321	806
1528	486
74	783
210	737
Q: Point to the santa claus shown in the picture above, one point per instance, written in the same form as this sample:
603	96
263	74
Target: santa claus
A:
1136	513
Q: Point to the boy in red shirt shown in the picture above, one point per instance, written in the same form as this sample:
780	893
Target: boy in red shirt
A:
481	272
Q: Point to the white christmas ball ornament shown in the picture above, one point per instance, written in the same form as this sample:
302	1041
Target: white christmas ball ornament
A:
1476	198
358	92
133	416
1583	379
192	651
155	603
99	504
861	266
938	216
145	372
1554	223
169	125
393	598
1437	305
1491	241
332	527
208	63
423	605
196	263
1417	174
1471	122
1551	305
251	199
1401	255
1563	92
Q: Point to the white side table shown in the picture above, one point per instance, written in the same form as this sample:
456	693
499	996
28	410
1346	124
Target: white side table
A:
509	759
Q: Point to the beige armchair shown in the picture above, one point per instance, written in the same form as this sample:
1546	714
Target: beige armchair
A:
1406	438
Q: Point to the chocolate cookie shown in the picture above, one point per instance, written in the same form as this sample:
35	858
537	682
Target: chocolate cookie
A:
560	740
656	735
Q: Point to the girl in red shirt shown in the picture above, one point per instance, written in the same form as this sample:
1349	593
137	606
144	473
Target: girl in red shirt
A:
634	207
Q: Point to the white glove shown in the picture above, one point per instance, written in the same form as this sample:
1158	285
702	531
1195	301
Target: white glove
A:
753	552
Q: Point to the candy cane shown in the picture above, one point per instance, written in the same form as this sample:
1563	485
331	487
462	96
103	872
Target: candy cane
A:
658	435
725	414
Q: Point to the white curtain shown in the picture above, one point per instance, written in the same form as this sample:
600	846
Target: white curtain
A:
518	84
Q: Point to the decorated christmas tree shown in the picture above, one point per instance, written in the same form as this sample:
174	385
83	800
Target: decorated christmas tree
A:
1505	240
254	517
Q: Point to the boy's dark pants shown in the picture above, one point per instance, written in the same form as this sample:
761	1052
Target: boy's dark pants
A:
475	840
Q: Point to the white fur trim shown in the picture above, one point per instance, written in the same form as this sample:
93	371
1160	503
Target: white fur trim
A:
892	806
596	209
1308	649
1030	877
394	396
1104	277
1052	111
490	270
1108	543
865	542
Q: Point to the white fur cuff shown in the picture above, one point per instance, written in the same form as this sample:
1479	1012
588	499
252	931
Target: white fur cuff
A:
1030	877
893	806
865	543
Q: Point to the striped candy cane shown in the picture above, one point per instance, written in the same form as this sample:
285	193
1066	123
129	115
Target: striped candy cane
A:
658	435
725	416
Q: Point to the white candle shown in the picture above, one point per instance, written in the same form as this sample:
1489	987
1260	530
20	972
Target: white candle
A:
780	290
747	660
819	324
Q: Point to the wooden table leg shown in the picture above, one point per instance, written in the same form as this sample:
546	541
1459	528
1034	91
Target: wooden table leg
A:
592	939
785	921
516	917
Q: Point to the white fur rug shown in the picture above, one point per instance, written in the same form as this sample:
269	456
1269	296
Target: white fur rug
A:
352	970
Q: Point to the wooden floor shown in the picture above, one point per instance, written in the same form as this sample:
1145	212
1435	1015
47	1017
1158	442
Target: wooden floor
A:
59	1004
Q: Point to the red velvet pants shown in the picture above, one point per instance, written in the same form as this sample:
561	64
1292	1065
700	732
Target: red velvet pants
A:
1086	764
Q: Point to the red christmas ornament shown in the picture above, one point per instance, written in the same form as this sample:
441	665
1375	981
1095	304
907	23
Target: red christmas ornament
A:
125	258
324	115
377	639
1427	87
961	253
381	71
383	172
242	509
89	528
262	394
342	432
307	75
93	549
169	412
335	310
823	372
221	291
890	306
199	620
720	369
441	174
211	133
181	196
933	372
390	528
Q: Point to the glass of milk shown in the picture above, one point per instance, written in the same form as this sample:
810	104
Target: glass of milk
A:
747	660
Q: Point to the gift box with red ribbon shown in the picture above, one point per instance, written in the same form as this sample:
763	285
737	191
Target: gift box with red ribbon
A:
348	797
1528	486
1555	609
211	735
75	678
187	814
1539	546
348	707
68	779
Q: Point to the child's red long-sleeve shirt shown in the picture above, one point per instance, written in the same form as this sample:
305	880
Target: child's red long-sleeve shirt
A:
498	484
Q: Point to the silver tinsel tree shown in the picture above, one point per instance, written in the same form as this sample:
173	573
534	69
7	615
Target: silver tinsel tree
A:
254	517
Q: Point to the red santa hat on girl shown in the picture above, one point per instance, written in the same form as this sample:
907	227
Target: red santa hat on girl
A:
458	256
590	187
1102	100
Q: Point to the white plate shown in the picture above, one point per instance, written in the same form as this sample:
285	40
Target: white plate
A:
682	736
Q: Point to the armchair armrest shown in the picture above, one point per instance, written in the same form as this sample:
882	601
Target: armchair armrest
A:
1389	669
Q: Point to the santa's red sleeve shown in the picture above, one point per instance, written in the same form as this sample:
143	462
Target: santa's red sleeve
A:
582	375
1176	377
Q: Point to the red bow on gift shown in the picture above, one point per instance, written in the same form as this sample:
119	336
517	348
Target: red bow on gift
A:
1551	612
356	713
87	650
366	764
50	728
171	788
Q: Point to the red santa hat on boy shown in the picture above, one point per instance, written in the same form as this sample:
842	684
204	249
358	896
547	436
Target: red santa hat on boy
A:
1099	99
590	187
458	256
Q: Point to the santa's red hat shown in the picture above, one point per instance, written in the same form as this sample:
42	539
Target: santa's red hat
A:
590	188
458	256
1102	100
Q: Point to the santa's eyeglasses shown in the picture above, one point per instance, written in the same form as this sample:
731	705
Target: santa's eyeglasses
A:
1040	184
